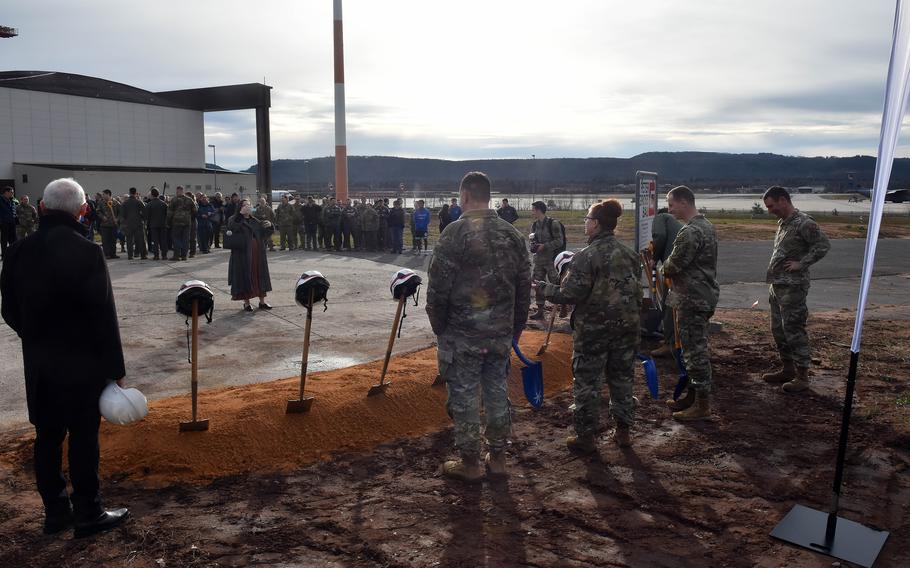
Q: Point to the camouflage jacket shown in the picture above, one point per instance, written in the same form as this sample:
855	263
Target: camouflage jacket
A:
663	233
369	218
264	213
285	215
331	214
547	232
383	212
108	212
28	216
603	281
798	238
132	213
351	215
479	279
181	211
692	265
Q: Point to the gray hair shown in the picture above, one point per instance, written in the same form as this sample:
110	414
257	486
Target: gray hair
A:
64	194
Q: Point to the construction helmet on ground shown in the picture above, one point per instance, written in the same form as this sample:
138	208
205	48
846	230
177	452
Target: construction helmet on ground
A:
311	281
562	260
196	290
122	406
404	283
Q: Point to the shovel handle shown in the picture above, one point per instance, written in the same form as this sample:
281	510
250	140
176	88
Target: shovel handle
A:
550	326
388	351
194	384
306	344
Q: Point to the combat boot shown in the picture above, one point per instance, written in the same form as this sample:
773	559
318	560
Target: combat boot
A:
700	410
582	444
682	403
622	435
496	463
464	469
782	375
799	383
538	315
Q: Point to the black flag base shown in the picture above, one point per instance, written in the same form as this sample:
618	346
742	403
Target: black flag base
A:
835	536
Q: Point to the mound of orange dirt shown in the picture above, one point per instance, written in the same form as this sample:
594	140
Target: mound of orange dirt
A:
250	431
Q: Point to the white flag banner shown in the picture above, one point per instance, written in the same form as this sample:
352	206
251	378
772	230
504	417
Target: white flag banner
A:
896	92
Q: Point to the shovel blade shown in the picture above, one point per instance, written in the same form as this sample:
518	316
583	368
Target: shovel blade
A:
298	406
194	426
439	381
378	389
532	380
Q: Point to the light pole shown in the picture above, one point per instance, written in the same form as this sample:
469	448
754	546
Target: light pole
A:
214	167
306	171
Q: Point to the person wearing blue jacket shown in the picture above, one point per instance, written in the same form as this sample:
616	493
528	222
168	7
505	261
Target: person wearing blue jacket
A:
421	216
454	210
204	215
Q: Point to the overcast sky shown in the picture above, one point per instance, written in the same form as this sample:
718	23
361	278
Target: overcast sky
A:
495	78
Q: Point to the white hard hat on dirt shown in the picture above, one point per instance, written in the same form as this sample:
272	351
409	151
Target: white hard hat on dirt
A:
122	406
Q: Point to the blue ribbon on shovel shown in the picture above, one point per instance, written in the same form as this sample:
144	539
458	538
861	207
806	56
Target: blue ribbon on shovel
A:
531	378
650	369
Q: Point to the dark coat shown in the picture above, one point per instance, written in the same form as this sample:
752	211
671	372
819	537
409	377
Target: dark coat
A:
57	295
156	213
240	271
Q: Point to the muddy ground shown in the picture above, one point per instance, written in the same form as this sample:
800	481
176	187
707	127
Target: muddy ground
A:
685	495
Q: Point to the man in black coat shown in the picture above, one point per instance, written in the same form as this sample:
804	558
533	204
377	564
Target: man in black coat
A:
156	213
57	296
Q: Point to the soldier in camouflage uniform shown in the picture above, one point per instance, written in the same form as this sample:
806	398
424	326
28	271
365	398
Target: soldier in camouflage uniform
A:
264	212
285	219
477	301
349	221
331	218
132	223
180	213
546	243
28	218
603	281
382	238
692	266
798	245
108	213
663	233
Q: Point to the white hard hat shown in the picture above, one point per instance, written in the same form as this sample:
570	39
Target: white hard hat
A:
122	406
404	283
311	280
562	260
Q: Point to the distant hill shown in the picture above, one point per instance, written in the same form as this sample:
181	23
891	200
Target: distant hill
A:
712	170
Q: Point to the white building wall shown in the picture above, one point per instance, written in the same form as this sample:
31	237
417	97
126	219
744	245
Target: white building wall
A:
49	128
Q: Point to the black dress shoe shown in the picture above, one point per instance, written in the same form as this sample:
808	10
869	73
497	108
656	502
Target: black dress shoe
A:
264	306
103	522
57	522
247	308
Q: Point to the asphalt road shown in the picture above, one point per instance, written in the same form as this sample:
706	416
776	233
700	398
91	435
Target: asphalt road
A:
239	348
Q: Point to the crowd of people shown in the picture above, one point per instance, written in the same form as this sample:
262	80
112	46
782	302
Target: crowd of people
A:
480	280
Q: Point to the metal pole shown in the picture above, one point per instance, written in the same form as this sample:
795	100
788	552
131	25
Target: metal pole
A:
341	148
214	167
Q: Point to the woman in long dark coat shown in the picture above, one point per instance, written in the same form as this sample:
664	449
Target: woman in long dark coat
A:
444	217
248	269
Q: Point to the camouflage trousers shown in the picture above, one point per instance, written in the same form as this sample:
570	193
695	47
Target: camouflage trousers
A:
615	363
22	231
788	322
693	335
543	270
476	372
287	237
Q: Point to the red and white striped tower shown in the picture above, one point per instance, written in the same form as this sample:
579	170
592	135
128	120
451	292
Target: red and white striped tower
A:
341	145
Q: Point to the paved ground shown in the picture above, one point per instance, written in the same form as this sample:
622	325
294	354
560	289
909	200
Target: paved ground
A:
240	348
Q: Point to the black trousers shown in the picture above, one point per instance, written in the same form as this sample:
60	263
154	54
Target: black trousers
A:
7	236
75	412
109	240
159	241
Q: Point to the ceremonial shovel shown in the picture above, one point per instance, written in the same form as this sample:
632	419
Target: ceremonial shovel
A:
543	348
381	387
195	425
303	403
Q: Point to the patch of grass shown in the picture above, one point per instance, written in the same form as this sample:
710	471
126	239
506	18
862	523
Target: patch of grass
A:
903	400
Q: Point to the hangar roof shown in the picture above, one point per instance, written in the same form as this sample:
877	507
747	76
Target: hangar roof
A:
228	97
